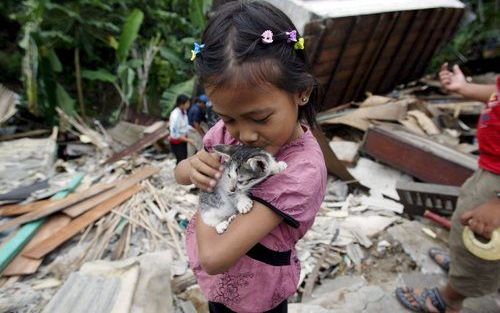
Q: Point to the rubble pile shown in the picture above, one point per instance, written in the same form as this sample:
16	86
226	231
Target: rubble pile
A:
103	228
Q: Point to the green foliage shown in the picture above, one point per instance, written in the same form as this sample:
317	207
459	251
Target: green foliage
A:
129	34
127	51
473	38
170	95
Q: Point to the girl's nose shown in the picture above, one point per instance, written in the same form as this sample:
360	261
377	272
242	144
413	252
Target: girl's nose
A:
247	136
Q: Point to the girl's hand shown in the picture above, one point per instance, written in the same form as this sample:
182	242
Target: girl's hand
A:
205	170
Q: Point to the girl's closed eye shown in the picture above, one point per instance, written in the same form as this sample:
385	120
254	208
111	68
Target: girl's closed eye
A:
261	120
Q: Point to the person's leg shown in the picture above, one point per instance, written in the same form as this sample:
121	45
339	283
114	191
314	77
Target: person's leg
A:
469	276
179	150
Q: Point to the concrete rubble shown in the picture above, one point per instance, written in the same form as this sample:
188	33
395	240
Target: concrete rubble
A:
361	247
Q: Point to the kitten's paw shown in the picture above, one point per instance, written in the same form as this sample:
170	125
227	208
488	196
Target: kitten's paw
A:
221	227
281	166
244	205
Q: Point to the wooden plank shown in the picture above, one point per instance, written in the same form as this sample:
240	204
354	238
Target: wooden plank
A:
333	164
55	206
399	60
12	248
22	265
80	223
418	156
82	207
19	209
140	145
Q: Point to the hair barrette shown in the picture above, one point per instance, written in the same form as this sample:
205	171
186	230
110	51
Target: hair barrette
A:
267	36
299	45
197	49
292	36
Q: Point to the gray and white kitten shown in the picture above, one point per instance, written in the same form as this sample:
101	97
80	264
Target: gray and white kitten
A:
244	167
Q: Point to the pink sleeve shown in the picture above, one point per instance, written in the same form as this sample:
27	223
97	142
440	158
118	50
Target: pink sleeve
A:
295	194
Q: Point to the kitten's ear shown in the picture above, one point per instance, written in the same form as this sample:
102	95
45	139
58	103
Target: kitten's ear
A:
225	151
258	163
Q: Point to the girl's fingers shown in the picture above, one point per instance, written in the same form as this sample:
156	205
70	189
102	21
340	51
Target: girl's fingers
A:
211	159
205	169
203	182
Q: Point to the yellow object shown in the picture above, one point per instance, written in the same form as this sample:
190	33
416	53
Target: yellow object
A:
193	55
487	251
299	45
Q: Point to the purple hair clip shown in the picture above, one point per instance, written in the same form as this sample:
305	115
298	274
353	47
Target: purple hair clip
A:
267	36
292	36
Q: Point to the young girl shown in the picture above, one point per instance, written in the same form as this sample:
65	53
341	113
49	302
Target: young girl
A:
254	71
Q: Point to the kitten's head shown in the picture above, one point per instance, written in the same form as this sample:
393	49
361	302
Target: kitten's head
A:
244	166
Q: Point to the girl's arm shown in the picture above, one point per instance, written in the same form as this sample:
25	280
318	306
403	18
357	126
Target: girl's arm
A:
217	253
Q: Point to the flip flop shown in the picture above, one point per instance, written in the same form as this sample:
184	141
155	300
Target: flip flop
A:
421	306
434	253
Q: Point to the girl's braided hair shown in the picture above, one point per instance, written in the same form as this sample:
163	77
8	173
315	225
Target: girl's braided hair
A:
235	56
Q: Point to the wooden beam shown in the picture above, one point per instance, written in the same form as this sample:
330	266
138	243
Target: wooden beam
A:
140	145
78	224
20	209
82	207
55	206
22	265
418	156
12	248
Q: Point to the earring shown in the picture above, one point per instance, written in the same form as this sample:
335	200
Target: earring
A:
304	99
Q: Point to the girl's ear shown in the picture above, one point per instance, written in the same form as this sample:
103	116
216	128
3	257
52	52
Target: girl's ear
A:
225	151
302	98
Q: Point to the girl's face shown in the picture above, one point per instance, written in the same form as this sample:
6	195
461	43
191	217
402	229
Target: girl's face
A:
259	117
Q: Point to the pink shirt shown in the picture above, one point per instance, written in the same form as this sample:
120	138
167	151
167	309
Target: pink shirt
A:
269	273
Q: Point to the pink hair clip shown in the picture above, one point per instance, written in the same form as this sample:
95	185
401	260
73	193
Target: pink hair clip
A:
292	36
267	36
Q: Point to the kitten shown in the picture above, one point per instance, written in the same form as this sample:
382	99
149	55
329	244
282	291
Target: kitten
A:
244	167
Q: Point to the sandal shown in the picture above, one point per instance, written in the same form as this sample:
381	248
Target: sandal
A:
420	304
441	257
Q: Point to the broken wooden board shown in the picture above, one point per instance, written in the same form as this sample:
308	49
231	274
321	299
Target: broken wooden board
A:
78	224
418	156
370	46
80	208
20	209
55	206
140	145
12	248
103	292
22	265
333	164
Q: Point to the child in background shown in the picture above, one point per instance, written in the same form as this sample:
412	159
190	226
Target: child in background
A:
253	68
179	128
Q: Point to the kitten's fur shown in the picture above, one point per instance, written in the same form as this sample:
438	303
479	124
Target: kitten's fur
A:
244	167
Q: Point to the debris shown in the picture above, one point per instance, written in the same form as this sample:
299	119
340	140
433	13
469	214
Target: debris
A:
141	144
429	232
379	178
333	164
26	161
80	223
346	151
416	244
418	197
418	156
8	102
